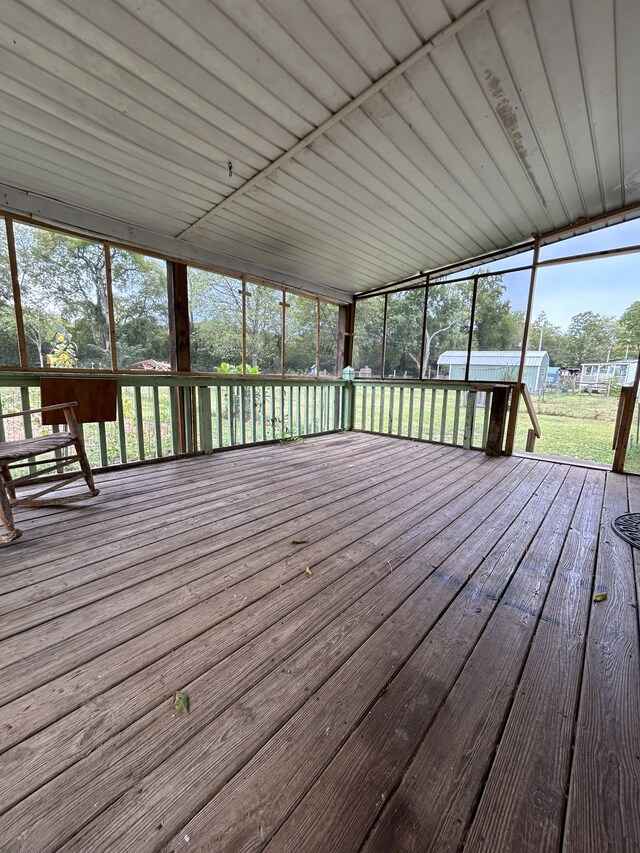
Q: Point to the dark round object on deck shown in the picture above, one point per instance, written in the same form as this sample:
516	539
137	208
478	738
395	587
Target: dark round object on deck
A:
628	528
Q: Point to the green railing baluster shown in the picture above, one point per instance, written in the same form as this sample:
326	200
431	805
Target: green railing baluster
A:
241	414
456	417
139	421
363	412
157	423
263	403
231	415
102	438
252	400
272	397
204	417
122	433
373	407
443	420
392	394
410	427
306	410
219	418
401	412
432	414
469	420
381	415
421	415
315	408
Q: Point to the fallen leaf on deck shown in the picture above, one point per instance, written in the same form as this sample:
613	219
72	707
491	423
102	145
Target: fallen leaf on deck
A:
601	596
181	702
308	571
299	541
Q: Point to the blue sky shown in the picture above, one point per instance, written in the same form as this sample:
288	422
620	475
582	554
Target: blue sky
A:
605	286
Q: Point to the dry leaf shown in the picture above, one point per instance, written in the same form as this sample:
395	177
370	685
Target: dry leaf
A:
299	541
308	571
181	702
601	596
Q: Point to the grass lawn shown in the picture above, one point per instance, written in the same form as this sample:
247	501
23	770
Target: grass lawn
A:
579	426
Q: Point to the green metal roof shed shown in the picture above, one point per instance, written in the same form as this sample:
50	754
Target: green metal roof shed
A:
496	366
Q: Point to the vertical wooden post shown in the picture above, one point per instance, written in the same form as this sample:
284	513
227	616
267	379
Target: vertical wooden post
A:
497	419
244	325
424	329
515	394
179	337
471	325
383	354
317	337
624	419
17	299
346	323
110	311
283	341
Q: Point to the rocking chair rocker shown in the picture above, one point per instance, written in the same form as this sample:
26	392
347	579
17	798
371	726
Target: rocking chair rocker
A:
13	452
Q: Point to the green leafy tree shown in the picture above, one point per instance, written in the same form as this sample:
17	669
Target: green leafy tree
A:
140	306
497	325
628	332
592	337
63	283
544	335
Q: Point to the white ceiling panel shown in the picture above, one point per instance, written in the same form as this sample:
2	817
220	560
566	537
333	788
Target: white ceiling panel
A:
368	141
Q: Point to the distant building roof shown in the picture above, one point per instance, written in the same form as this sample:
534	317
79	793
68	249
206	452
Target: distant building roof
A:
493	358
613	361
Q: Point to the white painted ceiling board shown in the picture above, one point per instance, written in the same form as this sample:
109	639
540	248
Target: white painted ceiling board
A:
524	120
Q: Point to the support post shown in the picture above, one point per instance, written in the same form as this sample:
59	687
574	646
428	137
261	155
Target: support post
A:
497	419
17	299
624	419
348	398
179	337
346	324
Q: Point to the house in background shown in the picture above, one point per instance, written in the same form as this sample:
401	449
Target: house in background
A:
495	366
598	377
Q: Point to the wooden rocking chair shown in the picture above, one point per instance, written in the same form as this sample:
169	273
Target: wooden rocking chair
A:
11	454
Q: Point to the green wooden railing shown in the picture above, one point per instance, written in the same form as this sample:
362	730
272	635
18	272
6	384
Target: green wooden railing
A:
162	416
455	413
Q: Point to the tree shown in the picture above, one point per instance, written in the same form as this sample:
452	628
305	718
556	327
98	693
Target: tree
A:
628	332
367	341
497	325
140	306
591	338
63	283
543	335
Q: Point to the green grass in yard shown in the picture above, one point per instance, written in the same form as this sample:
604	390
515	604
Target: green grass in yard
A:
577	426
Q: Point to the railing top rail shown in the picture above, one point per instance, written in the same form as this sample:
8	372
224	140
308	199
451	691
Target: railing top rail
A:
31	379
434	383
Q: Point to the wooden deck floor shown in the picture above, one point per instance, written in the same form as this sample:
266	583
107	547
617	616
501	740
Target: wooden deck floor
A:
442	680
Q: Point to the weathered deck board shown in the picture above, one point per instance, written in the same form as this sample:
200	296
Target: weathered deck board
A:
604	793
422	690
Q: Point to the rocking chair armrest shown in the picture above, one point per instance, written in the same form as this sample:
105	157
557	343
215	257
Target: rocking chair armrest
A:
43	409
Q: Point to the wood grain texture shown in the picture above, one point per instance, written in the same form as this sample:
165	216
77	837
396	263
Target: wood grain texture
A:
524	797
603	809
427	661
